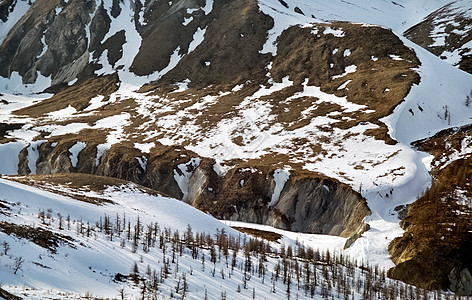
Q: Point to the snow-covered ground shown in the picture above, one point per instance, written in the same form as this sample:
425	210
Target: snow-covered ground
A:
89	263
97	264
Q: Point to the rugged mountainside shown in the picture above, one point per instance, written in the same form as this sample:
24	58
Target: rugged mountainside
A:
295	115
440	219
447	32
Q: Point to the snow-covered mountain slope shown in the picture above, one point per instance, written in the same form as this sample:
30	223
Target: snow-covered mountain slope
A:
276	112
44	229
447	33
110	240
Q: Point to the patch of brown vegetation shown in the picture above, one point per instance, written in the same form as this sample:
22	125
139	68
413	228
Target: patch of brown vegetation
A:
456	34
9	296
438	235
241	31
266	235
77	96
41	237
303	55
73	185
443	144
70	185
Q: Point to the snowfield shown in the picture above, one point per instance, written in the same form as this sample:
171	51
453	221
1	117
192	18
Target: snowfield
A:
83	257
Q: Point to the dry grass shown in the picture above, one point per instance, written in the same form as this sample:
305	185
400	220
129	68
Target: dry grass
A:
77	96
444	144
75	184
266	235
39	236
301	57
438	233
420	34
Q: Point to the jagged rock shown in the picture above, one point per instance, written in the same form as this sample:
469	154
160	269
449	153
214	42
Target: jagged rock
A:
401	211
5	9
64	36
120	162
23	168
352	239
240	29
461	281
5	127
307	204
322	206
54	158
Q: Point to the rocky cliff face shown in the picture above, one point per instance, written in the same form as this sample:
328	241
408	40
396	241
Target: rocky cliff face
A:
304	202
67	40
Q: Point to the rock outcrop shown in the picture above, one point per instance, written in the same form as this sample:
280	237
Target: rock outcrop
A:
434	251
307	202
5	8
461	281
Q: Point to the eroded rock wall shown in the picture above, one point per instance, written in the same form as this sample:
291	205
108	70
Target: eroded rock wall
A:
308	202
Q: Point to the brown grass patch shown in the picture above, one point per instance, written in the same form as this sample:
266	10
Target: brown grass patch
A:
78	96
266	235
39	236
438	233
303	55
75	184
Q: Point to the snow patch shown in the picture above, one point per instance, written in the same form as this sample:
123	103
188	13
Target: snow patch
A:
198	37
344	85
75	150
63	113
336	32
101	149
280	178
142	160
95	102
144	147
347	70
183	174
33	155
